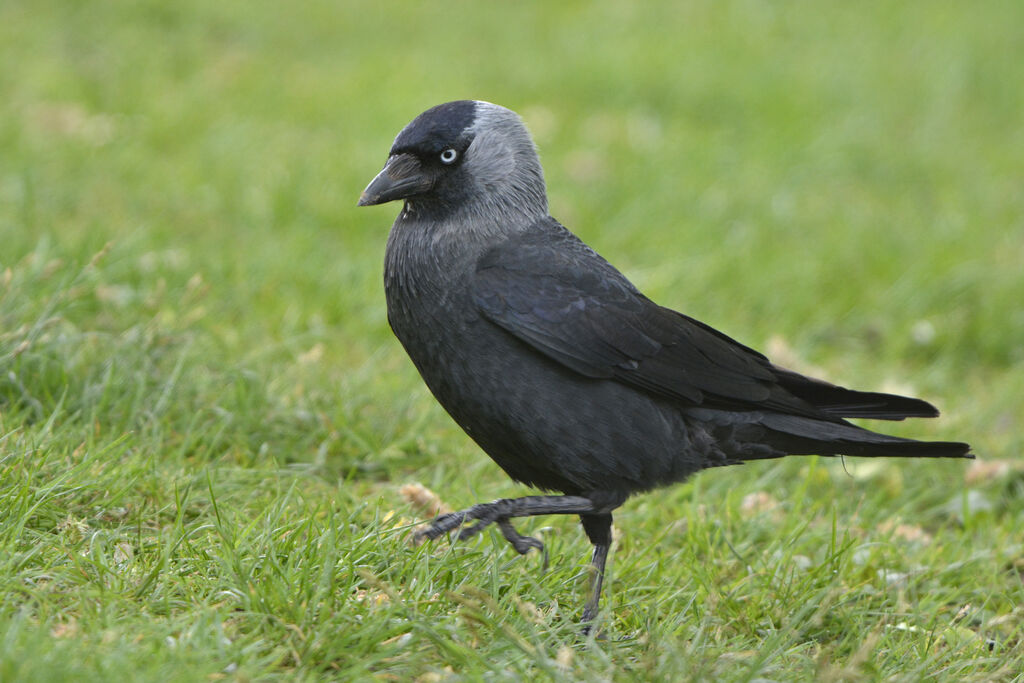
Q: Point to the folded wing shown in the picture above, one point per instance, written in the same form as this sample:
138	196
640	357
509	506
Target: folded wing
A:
561	298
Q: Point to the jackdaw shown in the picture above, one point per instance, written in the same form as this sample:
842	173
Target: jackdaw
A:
557	366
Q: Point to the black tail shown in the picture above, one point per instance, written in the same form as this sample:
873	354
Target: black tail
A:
839	401
796	435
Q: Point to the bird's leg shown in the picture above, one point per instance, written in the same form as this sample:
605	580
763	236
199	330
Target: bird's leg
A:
501	511
597	522
599	531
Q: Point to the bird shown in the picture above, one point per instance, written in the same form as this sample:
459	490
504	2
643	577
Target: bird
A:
557	366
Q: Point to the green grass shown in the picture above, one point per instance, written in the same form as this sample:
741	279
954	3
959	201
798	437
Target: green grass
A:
205	422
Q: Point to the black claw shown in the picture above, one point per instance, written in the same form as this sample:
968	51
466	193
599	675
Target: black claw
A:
525	544
471	531
522	544
440	525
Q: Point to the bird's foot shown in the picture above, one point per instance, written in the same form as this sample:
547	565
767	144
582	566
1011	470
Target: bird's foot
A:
485	514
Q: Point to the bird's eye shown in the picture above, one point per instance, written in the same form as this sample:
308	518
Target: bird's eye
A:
448	156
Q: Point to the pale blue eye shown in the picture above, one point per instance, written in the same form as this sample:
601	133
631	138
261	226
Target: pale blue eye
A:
448	156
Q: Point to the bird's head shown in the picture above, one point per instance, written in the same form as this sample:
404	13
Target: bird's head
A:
463	157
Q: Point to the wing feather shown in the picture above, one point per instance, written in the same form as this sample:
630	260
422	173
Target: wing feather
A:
554	293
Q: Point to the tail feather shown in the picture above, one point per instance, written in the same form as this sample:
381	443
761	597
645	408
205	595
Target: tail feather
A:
839	401
797	435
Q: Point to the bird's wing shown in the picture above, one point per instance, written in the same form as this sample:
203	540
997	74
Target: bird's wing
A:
560	297
566	302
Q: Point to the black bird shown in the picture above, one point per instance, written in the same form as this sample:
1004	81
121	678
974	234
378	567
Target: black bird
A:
557	366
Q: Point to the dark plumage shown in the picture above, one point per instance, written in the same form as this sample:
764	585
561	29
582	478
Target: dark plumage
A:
556	365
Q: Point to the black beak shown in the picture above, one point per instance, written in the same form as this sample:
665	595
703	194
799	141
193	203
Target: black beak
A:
402	176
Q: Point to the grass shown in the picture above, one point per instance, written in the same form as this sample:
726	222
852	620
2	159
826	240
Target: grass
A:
205	422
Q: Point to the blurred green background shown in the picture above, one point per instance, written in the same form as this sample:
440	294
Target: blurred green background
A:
196	372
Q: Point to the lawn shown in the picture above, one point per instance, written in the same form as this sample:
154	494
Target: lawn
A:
207	430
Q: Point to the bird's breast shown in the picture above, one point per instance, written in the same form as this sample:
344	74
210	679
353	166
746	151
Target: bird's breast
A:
428	301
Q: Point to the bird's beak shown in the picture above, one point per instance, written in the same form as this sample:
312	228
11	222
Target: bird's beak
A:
402	176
